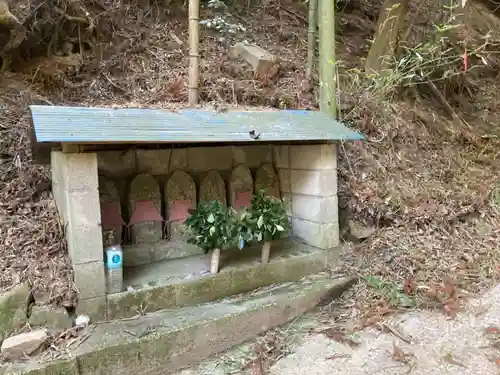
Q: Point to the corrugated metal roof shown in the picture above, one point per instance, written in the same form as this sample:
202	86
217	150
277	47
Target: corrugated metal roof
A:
125	125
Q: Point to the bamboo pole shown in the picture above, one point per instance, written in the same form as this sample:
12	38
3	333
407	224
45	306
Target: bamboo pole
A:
311	38
327	63
194	55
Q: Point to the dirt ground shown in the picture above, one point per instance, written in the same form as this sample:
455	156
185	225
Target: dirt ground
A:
415	342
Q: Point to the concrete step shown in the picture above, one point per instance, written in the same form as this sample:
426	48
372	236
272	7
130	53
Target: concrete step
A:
181	282
167	341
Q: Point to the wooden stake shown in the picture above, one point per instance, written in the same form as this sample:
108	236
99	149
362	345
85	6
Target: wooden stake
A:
214	261
266	250
194	55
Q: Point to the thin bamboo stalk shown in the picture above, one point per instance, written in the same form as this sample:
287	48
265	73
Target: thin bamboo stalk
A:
311	38
327	64
194	54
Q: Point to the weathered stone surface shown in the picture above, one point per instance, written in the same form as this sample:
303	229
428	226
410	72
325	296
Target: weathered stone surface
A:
252	156
261	61
14	308
266	179
314	182
281	156
180	195
204	159
359	230
154	162
213	188
139	254
90	280
321	235
241	187
116	163
50	318
188	335
95	308
288	263
111	210
146	222
18	346
322	156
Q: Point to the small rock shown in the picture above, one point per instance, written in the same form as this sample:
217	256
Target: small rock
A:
18	346
82	321
360	230
261	60
51	318
14	308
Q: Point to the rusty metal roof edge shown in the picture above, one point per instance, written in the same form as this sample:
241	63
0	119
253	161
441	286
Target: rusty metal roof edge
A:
61	124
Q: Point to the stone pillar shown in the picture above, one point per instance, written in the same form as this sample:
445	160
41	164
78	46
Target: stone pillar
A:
308	180
76	192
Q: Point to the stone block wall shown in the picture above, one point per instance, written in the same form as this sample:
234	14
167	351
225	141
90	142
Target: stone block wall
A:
308	180
307	184
75	188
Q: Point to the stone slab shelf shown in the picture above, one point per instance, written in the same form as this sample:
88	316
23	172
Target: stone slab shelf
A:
186	281
168	341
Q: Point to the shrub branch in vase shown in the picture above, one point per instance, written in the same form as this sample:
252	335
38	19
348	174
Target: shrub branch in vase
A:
209	227
270	219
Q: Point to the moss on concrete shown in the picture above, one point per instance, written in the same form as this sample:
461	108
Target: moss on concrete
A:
230	281
14	309
128	304
94	308
182	337
50	318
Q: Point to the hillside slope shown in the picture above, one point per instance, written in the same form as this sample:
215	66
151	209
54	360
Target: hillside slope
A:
426	181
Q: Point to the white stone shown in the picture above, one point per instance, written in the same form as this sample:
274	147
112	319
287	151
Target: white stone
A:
82	321
18	346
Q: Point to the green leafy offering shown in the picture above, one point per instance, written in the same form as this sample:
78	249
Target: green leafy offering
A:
242	228
210	226
269	217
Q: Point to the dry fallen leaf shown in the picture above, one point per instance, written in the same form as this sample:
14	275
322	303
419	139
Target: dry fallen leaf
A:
339	336
449	358
399	354
409	286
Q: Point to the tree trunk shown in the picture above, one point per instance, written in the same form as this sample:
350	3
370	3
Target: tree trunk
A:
311	38
194	55
214	261
266	250
327	63
386	37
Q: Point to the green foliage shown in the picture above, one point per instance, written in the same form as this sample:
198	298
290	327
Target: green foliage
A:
243	225
210	226
269	217
213	226
438	58
393	292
